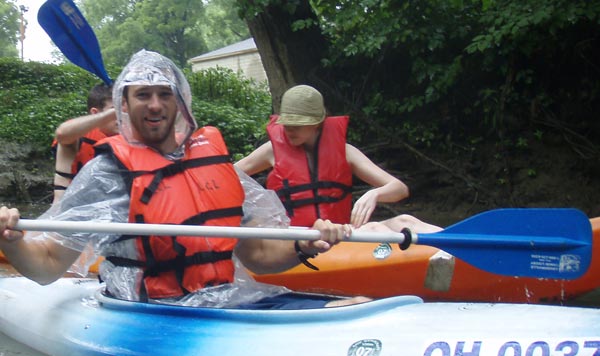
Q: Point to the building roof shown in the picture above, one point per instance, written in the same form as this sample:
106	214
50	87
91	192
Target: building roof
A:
227	51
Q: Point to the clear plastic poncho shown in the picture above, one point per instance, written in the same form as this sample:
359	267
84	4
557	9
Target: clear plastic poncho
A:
98	193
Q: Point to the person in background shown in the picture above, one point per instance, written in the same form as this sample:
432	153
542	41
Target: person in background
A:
74	138
313	168
161	169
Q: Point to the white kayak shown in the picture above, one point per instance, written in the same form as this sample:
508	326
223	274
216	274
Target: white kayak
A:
73	317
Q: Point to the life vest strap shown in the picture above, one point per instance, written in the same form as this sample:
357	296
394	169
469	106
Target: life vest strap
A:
285	194
315	200
87	140
203	217
198	258
65	174
292	189
178	167
199	219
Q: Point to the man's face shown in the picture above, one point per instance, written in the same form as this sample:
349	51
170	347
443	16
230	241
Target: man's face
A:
152	111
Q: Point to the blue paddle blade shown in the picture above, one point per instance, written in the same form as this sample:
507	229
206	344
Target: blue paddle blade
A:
71	33
542	243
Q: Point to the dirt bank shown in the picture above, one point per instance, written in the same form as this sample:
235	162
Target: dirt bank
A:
449	187
25	174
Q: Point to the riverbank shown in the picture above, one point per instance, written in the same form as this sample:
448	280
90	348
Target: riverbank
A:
25	174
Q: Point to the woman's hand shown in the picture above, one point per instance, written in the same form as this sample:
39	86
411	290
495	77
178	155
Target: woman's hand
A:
363	208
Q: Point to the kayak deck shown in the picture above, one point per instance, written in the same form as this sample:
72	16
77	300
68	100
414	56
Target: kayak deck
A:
70	317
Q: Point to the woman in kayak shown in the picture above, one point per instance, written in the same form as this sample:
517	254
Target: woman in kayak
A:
160	169
313	168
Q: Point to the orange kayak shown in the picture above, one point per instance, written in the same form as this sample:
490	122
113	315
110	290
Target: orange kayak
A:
352	269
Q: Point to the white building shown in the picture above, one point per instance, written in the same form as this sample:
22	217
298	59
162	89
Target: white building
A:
240	57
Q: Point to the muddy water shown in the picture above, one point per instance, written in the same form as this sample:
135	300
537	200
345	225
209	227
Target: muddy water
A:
9	347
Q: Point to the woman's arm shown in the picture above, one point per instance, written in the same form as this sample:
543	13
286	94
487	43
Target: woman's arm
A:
259	160
387	188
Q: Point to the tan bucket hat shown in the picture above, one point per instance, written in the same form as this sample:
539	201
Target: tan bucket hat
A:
301	105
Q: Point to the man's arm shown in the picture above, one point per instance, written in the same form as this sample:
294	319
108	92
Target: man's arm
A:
274	256
98	193
41	260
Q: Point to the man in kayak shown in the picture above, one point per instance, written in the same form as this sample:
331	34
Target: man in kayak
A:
313	168
74	138
161	170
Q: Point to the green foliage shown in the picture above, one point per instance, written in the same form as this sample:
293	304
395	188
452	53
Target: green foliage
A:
252	8
535	52
168	27
405	58
475	67
36	97
239	107
220	26
9	28
178	29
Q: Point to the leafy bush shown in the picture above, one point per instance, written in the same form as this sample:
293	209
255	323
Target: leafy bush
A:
469	68
239	107
36	97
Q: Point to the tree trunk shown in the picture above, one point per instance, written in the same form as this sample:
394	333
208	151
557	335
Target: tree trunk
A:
289	57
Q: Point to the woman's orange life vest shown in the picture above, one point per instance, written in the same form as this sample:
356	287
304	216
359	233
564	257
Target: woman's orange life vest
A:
326	192
202	188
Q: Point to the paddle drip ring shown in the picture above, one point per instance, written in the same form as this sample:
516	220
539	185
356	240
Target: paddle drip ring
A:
407	238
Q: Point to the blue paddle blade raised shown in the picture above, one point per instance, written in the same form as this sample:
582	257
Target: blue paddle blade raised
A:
71	33
542	243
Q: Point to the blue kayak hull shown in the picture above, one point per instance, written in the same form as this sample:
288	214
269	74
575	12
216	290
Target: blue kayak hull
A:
71	317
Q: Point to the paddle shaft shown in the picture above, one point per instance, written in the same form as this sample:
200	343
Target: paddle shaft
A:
437	239
541	243
195	230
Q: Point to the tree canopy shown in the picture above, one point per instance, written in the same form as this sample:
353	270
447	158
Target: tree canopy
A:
434	64
178	29
480	91
9	28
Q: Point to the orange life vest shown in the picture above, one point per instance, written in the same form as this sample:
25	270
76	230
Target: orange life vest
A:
86	149
202	188
326	193
84	154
